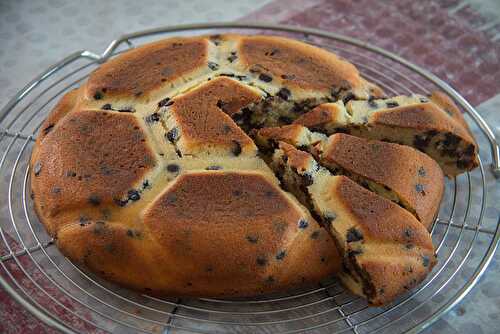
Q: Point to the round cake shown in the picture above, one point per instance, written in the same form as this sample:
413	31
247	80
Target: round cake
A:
158	173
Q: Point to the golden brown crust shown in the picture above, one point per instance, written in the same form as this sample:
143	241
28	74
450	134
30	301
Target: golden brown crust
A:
300	65
380	219
139	71
320	116
413	176
201	118
90	159
447	104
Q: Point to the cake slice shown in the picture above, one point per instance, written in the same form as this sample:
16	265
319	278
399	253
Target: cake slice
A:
399	173
385	250
432	125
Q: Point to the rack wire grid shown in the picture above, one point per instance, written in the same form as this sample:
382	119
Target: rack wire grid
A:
69	299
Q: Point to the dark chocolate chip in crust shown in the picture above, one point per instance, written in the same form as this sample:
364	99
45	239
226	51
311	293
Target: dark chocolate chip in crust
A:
107	106
425	261
284	93
265	77
353	235
252	239
420	188
127	109
133	195
94	200
408	233
165	102
172	135
213	66
261	261
281	255
424	100
173	168
270	279
146	184
213	167
37	168
303	224
236	148
98	95
392	104
421	171
84	220
315	235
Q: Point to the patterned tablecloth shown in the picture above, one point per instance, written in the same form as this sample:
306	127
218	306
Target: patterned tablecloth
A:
457	41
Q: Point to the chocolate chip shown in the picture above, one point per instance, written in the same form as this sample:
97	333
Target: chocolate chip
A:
353	235
329	217
421	142
173	168
120	202
285	119
307	179
213	167
420	188
323	259
408	233
372	103
270	279
261	261
107	106
209	269
171	198
284	93
126	109
303	224
469	151
166	102
221	104
48	129
172	135
154	117
281	255
409	246
133	195
424	100
348	97
252	239
315	235
288	76
232	57
84	220
236	148
133	233
392	104
37	168
98	95
265	77
421	171
94	200
451	140
56	190
213	66
425	261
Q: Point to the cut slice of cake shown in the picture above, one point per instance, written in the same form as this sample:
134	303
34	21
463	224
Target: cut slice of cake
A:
385	250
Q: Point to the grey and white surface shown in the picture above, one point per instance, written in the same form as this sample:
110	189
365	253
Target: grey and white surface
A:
34	35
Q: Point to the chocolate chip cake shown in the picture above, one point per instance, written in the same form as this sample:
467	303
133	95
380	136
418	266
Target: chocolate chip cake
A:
154	174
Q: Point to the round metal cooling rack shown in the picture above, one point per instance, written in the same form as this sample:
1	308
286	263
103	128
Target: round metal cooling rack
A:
67	298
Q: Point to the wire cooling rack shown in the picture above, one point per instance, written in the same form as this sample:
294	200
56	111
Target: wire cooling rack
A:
67	298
